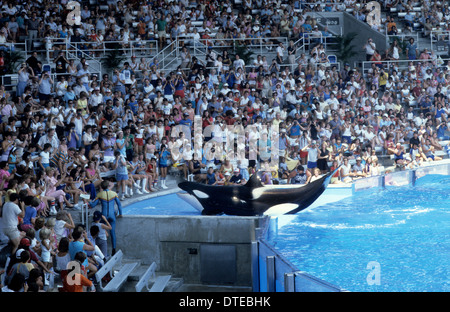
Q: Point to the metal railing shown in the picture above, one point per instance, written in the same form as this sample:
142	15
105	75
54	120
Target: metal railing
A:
440	40
73	52
16	46
76	50
300	47
401	64
168	57
272	272
258	45
329	42
401	178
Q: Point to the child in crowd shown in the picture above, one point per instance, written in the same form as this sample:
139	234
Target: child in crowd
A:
101	222
47	250
30	212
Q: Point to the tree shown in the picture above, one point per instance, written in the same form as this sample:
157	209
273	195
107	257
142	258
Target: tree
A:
113	58
345	48
244	53
11	59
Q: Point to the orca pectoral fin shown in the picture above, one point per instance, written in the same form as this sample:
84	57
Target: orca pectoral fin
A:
191	200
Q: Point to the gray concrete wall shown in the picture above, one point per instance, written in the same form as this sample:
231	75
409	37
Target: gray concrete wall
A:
364	32
175	243
333	20
340	23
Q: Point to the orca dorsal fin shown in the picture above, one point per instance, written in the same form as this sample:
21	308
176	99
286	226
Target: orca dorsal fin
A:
253	182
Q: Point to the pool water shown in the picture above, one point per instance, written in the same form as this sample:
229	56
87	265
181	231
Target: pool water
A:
391	240
165	205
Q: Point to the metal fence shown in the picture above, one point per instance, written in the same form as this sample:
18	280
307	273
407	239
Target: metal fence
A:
168	57
272	272
402	64
440	41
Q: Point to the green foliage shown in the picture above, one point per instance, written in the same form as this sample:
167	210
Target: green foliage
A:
345	48
12	58
244	53
113	58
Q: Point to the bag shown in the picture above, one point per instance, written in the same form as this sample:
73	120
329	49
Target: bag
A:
107	278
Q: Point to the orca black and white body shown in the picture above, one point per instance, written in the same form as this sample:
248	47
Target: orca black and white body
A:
253	199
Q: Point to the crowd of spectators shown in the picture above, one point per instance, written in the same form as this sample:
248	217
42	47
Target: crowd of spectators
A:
61	138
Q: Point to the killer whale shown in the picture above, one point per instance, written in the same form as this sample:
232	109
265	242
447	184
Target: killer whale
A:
253	198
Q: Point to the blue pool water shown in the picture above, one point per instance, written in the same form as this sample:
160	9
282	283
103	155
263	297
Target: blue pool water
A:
404	231
166	205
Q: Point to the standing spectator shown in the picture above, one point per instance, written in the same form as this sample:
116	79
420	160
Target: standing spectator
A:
100	221
120	165
313	153
161	28
411	49
24	76
31	30
10	212
107	199
61	63
35	64
81	243
335	127
45	87
370	48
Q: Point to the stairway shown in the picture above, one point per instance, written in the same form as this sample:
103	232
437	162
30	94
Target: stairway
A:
129	286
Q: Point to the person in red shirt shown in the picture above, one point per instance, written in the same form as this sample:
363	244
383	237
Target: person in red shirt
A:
205	37
229	120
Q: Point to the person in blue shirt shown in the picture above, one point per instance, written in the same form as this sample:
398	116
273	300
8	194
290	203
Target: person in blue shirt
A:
133	104
169	88
180	85
230	77
441	129
45	86
439	111
228	106
82	243
186	120
411	49
447	148
164	155
210	176
107	199
307	27
266	12
409	20
30	212
426	104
